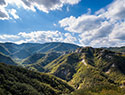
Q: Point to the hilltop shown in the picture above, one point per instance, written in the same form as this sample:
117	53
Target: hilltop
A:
88	67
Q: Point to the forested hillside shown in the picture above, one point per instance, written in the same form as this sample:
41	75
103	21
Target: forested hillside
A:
88	67
6	59
117	49
91	71
18	81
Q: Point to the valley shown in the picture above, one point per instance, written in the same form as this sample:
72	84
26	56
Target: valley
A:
61	68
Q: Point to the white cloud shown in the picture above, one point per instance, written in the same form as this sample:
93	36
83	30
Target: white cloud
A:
42	5
69	38
82	23
3	13
105	28
13	13
72	2
38	37
41	36
8	37
96	34
48	5
118	32
116	10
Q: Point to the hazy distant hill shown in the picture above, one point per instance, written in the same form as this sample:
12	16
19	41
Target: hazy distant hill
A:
6	59
25	50
39	64
117	49
4	50
18	81
33	58
91	70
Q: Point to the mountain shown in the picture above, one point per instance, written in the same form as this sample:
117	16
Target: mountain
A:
19	81
33	58
117	49
35	47
4	50
92	71
88	67
59	47
22	51
6	59
11	47
40	63
100	90
21	54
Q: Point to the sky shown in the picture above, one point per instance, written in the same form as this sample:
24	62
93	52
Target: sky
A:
96	23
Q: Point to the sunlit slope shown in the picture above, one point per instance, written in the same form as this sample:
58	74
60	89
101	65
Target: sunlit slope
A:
89	67
18	81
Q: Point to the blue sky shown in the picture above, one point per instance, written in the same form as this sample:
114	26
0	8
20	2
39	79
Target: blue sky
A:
84	22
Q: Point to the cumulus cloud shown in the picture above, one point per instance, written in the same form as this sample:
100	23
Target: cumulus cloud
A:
3	13
72	2
82	23
69	38
2	2
48	5
38	37
115	11
6	37
106	27
118	32
42	5
13	13
41	36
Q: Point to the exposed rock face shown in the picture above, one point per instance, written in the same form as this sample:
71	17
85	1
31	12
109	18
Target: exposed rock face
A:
89	67
83	61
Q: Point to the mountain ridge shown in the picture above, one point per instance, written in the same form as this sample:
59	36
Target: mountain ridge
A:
6	59
17	50
82	67
101	64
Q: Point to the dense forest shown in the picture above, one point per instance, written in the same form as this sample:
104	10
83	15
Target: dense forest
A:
19	81
61	69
